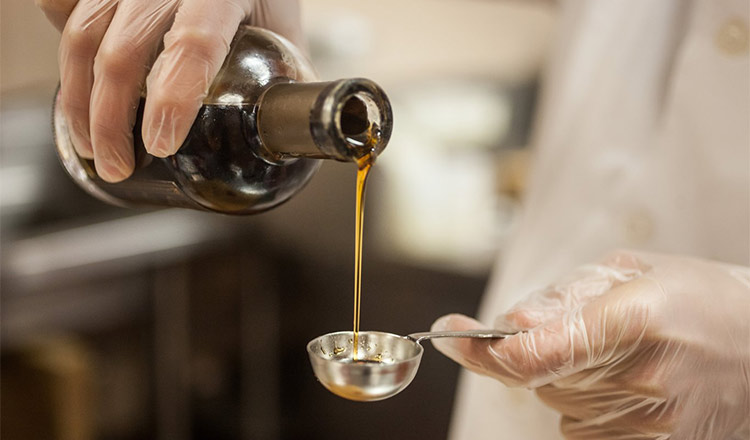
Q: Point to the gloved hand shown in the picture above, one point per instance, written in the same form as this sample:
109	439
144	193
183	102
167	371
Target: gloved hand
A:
108	47
639	346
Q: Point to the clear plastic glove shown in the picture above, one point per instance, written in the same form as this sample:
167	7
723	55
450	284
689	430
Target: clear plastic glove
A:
106	52
640	346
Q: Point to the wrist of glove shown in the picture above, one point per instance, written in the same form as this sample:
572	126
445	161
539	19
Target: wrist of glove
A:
637	346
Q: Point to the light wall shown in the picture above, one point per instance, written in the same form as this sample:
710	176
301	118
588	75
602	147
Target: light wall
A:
395	40
28	47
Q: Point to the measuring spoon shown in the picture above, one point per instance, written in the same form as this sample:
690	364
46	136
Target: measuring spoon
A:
386	363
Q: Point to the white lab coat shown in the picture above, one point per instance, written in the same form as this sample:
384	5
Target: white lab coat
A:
642	142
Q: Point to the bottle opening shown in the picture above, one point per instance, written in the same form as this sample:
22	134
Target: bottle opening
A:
354	118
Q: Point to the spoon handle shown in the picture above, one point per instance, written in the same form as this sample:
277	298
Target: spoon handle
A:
480	334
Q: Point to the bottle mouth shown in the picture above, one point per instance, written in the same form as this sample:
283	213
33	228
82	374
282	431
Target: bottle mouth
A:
361	120
358	123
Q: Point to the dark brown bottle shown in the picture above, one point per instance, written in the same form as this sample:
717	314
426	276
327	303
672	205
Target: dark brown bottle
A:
257	138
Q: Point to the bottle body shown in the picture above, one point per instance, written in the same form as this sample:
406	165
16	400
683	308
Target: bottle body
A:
225	164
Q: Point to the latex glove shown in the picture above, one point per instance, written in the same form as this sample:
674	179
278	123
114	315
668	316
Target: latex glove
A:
640	346
107	48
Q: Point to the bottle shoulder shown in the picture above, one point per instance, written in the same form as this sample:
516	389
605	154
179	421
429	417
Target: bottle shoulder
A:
257	59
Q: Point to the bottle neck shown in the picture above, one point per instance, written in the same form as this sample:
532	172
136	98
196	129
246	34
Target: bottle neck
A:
343	120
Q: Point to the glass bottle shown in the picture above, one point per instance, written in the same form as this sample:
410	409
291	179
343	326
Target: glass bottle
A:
257	138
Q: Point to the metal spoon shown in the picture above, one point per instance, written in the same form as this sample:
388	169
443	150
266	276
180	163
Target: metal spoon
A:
386	363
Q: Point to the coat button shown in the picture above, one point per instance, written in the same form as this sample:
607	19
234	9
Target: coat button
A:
732	38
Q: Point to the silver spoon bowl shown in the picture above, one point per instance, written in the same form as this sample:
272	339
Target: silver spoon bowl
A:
386	363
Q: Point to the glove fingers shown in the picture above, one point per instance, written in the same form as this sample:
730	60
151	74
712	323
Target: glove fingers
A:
612	404
194	50
573	429
57	11
79	44
471	354
578	288
603	332
618	405
640	392
126	51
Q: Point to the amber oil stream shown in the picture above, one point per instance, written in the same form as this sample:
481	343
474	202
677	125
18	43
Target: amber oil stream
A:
364	165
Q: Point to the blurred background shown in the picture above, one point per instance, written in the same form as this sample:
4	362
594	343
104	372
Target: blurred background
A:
170	324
